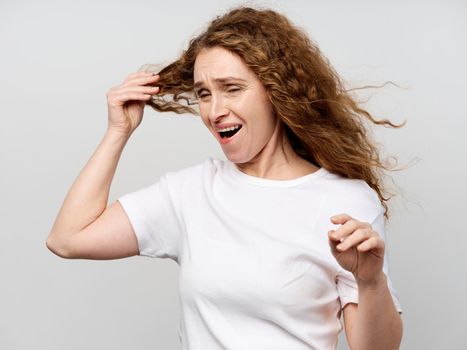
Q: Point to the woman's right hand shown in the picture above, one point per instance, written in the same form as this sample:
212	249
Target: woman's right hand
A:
126	101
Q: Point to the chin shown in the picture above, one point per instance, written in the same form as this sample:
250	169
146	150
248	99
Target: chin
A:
238	159
233	158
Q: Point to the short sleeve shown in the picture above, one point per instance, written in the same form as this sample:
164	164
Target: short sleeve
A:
347	285
153	216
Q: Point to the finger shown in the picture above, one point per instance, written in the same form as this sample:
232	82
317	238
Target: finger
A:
120	99
140	89
340	218
144	80
346	229
138	74
358	236
118	96
333	236
372	243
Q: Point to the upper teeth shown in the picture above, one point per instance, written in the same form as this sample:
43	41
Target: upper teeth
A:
230	128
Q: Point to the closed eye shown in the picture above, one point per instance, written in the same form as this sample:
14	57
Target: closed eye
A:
234	89
201	95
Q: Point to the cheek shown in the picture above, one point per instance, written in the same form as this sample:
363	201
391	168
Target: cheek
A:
203	114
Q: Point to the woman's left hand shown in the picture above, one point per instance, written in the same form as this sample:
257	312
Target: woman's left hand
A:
361	251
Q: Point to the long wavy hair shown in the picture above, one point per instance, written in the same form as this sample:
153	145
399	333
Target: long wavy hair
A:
322	121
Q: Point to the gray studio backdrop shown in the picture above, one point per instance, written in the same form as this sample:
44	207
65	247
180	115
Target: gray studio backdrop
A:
59	58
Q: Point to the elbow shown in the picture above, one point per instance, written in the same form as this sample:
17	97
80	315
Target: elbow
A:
57	247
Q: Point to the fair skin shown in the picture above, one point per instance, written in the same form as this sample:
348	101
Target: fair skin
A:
260	148
86	228
228	92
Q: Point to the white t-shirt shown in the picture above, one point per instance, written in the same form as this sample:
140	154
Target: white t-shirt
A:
256	269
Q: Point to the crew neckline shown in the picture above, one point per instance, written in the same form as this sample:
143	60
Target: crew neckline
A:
241	176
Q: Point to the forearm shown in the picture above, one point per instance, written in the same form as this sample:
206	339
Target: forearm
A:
88	196
378	324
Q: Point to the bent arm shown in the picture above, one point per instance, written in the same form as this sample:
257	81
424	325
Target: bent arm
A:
87	198
374	323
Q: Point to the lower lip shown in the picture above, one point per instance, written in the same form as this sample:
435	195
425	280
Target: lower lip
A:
224	141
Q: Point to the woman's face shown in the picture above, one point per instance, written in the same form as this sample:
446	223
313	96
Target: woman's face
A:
230	94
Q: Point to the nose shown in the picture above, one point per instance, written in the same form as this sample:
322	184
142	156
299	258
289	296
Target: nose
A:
217	108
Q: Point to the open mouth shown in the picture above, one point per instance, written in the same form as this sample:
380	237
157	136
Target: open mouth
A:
230	133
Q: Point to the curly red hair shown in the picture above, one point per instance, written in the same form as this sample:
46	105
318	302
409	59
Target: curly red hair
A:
323	122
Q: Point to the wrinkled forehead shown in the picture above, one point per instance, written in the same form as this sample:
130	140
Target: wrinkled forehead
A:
217	62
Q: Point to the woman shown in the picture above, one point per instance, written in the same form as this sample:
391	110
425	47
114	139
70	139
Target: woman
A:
274	242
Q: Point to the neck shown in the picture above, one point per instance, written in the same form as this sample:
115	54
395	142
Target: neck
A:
277	160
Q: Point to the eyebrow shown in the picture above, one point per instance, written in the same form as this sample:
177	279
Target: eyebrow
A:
219	80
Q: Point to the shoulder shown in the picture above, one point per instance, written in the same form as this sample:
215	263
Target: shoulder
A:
352	196
340	186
